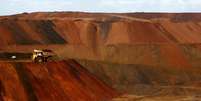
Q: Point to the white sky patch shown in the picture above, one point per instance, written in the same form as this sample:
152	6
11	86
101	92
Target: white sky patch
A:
122	3
46	4
153	5
20	6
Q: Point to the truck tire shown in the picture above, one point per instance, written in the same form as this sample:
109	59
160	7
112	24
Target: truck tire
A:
39	60
45	59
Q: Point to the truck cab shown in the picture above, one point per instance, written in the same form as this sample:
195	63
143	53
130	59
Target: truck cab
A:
41	56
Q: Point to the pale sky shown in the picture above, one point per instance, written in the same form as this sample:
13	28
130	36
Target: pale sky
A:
8	7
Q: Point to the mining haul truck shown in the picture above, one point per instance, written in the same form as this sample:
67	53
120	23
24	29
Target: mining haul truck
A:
40	56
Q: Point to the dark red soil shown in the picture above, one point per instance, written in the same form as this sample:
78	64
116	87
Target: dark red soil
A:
55	81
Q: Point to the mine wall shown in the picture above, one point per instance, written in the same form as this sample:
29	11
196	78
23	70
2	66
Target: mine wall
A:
101	56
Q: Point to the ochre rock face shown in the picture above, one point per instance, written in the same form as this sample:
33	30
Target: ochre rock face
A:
171	40
103	29
54	81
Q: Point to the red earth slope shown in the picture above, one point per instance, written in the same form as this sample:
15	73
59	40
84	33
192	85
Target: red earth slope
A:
99	29
55	81
148	39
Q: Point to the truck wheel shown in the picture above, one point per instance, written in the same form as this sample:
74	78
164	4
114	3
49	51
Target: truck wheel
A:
39	59
45	59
